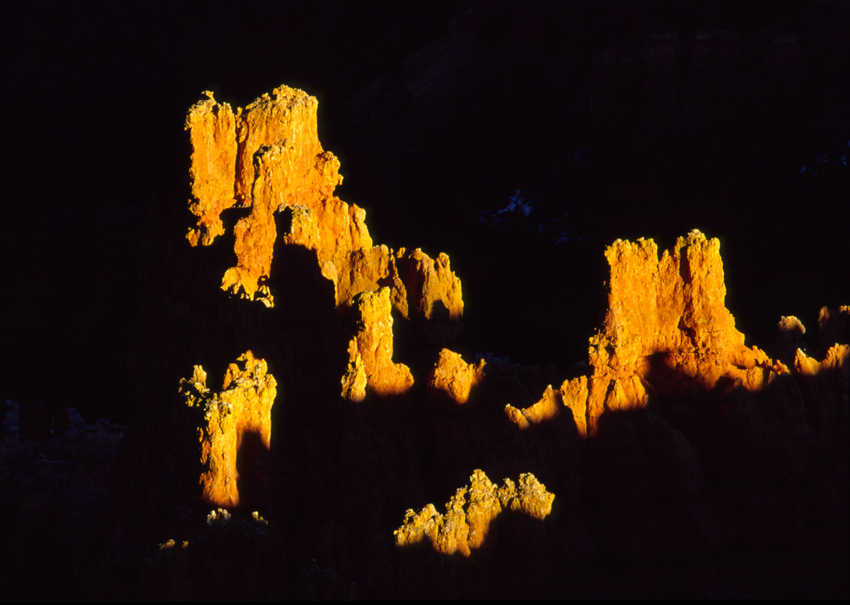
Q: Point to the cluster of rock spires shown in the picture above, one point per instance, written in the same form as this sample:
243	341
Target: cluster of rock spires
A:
268	158
464	527
667	331
672	450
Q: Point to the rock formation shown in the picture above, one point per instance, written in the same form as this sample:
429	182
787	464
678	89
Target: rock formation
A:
673	382
547	408
234	432
833	326
681	445
371	350
464	526
666	326
268	158
453	378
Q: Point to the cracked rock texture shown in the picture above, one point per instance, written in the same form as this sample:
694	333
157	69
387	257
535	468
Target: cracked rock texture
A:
267	158
471	510
371	350
234	433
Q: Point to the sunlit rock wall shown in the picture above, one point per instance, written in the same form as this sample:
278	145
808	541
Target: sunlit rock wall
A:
234	433
267	158
471	510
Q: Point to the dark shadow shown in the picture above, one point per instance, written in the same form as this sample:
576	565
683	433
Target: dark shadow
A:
723	477
253	464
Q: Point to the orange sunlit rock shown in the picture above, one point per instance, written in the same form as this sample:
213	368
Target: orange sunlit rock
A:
666	326
452	377
434	295
547	408
574	396
234	423
665	317
373	343
789	338
471	510
212	131
264	157
833	326
354	381
268	158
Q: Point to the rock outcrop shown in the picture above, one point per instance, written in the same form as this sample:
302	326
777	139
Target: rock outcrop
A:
267	158
234	433
471	510
673	384
677	444
452	378
371	350
666	317
833	326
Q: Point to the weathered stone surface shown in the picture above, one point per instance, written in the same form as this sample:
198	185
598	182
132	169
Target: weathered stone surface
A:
434	291
212	131
547	408
355	379
265	157
574	396
470	512
268	158
789	338
453	378
694	441
235	422
665	318
372	350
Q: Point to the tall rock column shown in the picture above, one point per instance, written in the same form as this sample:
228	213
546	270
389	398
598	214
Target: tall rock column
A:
666	318
268	158
371	350
234	433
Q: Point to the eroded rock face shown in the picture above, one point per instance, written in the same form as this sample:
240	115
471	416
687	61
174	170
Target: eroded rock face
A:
673	415
471	510
833	326
268	158
265	157
547	408
212	130
666	317
453	378
666	331
674	390
234	430
371	350
435	299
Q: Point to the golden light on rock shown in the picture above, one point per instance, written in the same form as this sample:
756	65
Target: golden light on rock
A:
470	511
371	350
666	326
234	422
268	158
453	378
